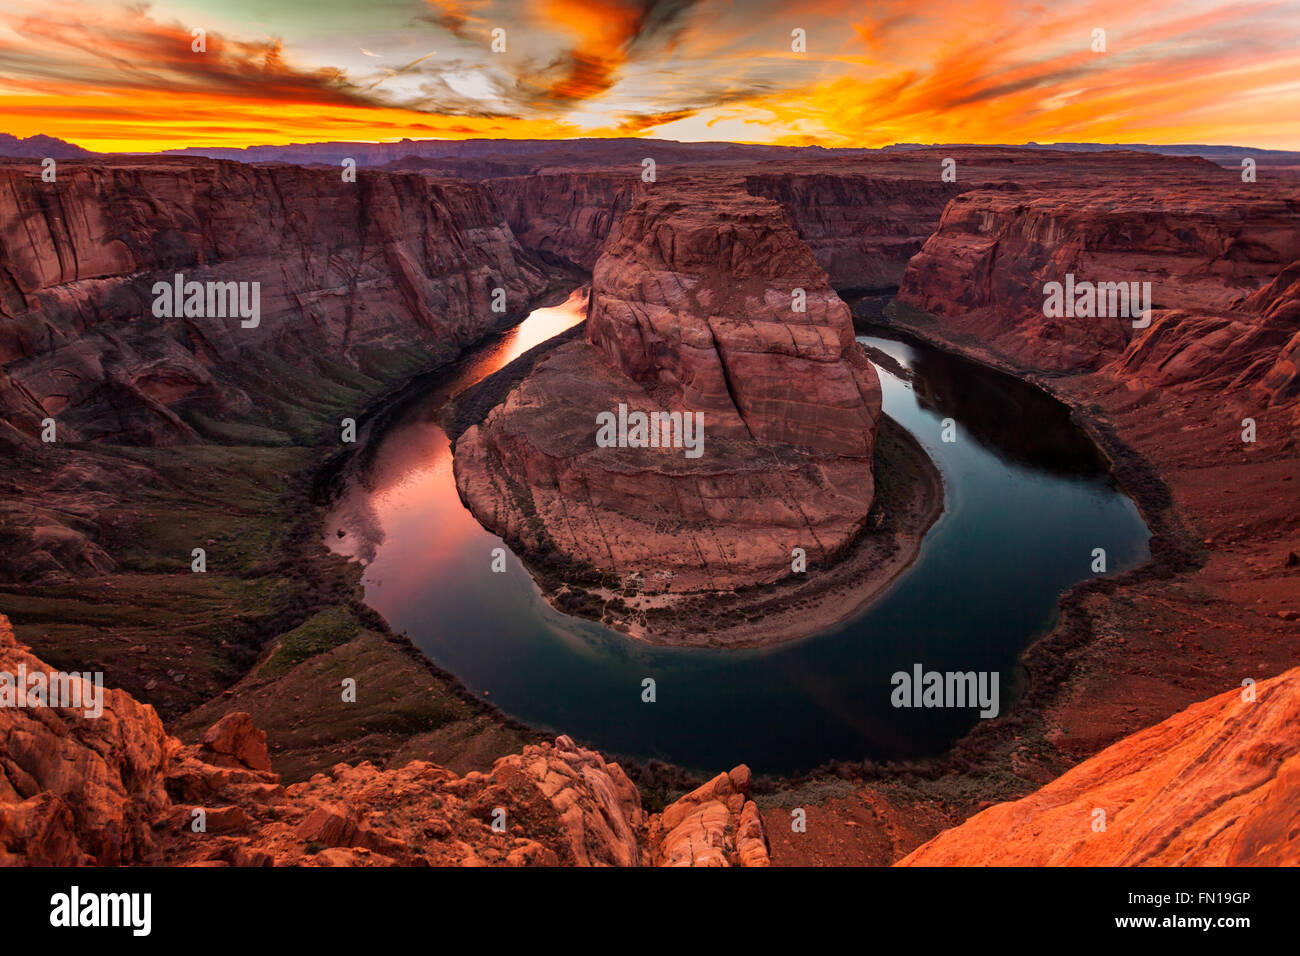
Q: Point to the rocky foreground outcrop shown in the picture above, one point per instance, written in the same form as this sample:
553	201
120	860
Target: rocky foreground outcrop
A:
1215	785
117	789
704	302
73	788
715	824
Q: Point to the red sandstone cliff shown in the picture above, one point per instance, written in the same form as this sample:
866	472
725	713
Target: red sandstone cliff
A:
694	298
691	311
1215	785
1255	346
360	283
569	215
348	271
862	229
1203	248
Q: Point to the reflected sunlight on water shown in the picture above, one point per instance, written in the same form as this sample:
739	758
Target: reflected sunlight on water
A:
1028	497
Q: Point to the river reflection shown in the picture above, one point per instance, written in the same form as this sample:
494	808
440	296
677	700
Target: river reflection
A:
1027	499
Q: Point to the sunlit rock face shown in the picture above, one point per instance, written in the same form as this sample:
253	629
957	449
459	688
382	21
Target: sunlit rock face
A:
704	302
1202	249
718	304
111	787
1254	347
1215	785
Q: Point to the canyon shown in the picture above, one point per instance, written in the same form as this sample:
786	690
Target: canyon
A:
202	434
362	281
354	274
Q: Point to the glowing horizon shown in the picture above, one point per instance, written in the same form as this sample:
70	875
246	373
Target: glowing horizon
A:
112	76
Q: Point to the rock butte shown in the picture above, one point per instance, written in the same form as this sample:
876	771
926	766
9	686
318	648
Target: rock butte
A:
691	310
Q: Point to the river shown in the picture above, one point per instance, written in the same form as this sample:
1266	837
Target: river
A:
1027	500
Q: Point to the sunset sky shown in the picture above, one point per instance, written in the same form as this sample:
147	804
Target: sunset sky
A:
123	76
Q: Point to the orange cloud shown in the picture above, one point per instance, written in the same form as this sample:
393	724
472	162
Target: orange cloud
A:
458	17
982	71
639	123
605	34
129	51
1038	78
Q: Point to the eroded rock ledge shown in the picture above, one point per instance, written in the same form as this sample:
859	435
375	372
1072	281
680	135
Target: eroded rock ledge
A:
118	789
1203	249
1215	785
691	310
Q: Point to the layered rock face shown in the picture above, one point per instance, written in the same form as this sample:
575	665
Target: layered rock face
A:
690	312
1279	306
355	285
862	229
117	789
694	300
1215	785
346	271
1255	346
1202	248
569	215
